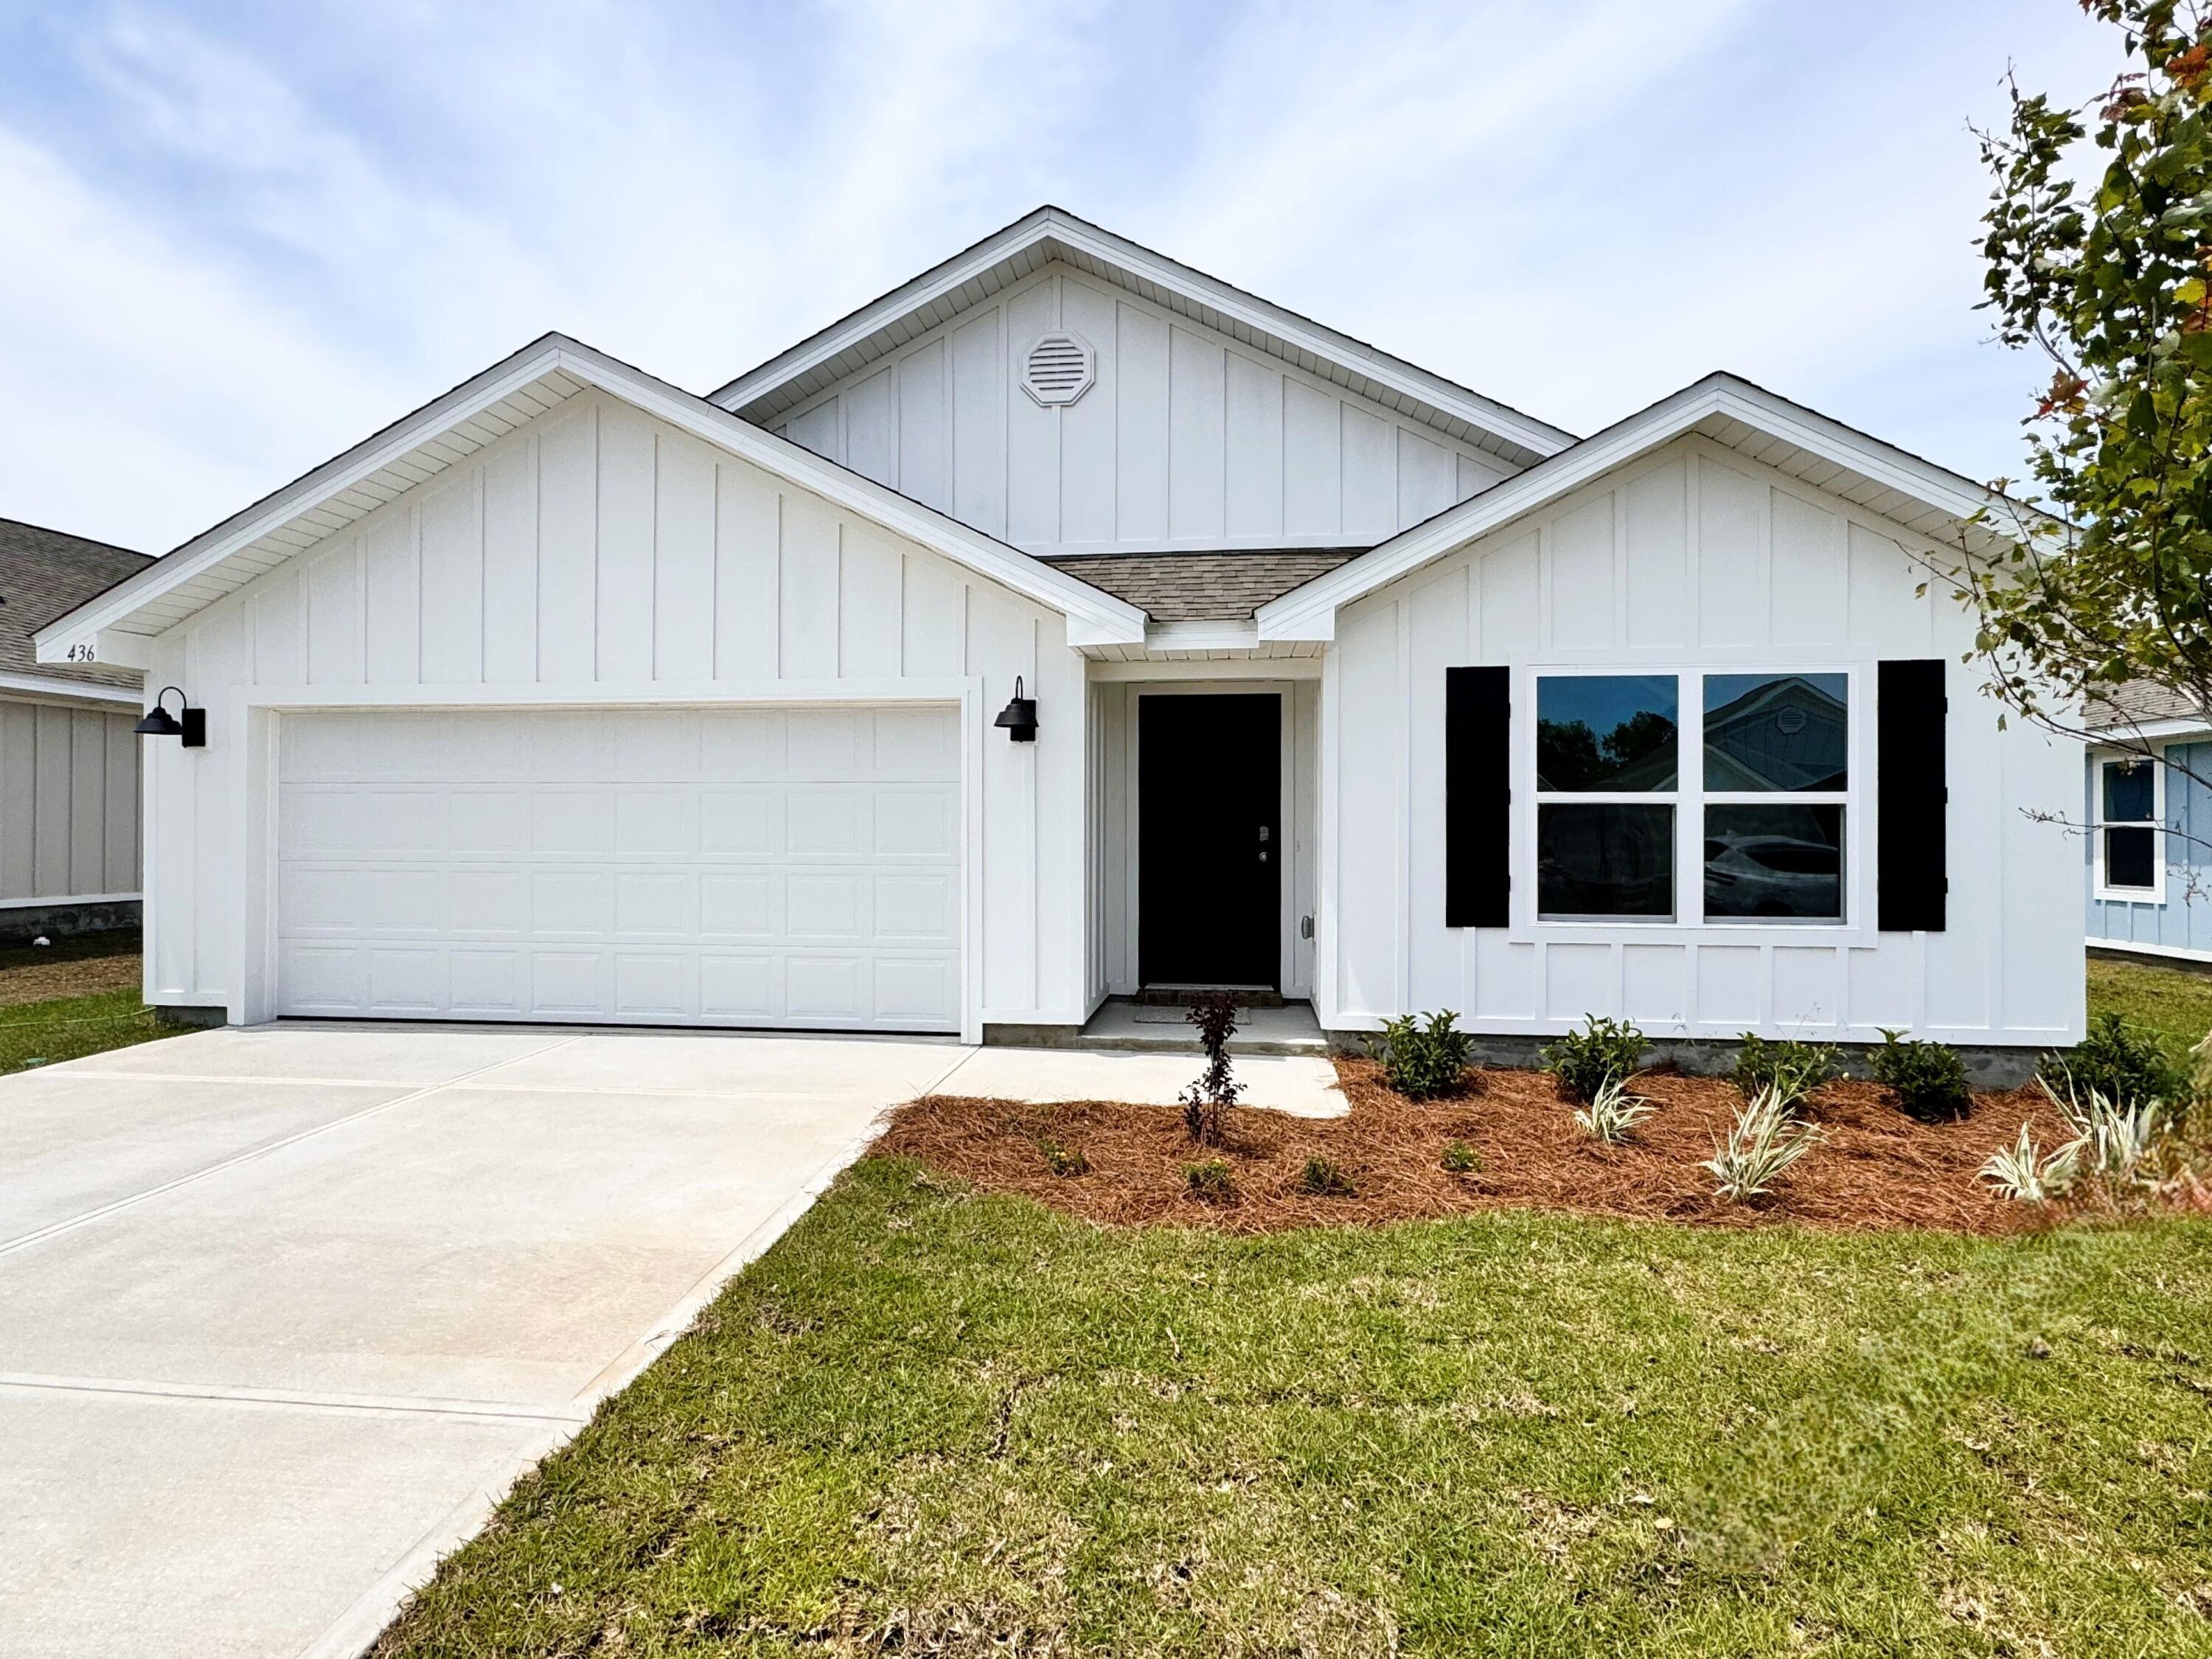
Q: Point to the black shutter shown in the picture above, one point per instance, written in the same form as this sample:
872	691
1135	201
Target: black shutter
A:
1478	798
1911	880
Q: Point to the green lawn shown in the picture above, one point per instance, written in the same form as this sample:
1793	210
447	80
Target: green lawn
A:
34	1034
2171	1001
934	1422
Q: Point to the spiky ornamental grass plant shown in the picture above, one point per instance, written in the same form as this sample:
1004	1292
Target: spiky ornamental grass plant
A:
2113	1141
1613	1112
2021	1171
1765	1140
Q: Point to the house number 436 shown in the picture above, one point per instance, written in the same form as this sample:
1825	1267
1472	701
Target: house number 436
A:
80	653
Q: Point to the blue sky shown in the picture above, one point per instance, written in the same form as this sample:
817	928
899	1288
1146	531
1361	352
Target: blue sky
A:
241	237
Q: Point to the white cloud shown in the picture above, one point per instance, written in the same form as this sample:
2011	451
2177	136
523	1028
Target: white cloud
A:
236	254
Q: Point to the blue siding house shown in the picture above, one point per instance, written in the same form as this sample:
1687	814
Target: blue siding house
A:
2147	857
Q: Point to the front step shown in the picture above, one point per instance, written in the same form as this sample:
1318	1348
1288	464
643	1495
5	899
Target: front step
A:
1129	1026
1182	996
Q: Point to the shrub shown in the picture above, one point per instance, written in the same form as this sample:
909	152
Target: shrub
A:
1584	1062
1210	1183
1792	1069
1928	1080
1460	1158
1423	1063
2125	1064
1064	1160
1764	1140
1325	1178
2021	1171
1613	1111
1206	1103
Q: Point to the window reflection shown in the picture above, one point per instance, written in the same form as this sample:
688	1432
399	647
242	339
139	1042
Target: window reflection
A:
1776	732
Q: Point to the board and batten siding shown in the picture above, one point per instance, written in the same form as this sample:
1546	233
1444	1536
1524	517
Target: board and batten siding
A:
69	803
1187	439
598	550
2180	918
1695	559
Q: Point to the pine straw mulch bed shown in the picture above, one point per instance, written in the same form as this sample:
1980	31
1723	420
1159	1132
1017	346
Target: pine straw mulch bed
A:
1875	1169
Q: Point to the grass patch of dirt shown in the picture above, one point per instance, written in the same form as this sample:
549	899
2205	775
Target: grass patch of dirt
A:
1875	1169
68	968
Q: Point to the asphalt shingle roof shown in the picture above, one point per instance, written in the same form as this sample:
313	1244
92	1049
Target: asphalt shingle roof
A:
44	573
1172	587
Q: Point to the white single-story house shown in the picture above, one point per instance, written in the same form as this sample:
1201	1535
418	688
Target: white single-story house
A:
575	696
68	763
2149	863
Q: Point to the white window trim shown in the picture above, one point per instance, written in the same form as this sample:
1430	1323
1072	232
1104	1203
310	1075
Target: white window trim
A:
2155	893
1689	795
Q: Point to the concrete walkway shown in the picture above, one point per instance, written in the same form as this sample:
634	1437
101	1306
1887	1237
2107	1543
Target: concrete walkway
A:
283	1311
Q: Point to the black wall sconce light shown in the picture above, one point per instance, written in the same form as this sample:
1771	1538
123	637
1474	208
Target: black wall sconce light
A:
160	723
1019	715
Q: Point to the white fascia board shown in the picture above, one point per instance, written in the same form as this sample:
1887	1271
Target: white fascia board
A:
1113	621
53	686
2116	737
1309	613
1050	225
333	477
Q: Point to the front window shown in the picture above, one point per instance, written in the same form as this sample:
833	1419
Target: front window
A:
1607	768
2129	835
1769	736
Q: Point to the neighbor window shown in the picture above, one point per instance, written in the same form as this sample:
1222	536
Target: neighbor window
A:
1607	766
2127	818
1777	766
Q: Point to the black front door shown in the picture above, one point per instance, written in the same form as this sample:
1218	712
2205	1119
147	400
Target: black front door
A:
1209	839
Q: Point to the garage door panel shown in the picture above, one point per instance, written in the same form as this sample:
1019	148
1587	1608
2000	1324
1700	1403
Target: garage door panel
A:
917	823
656	985
408	980
823	821
744	988
570	984
486	901
488	823
572	903
919	989
736	866
825	907
492	984
657	823
915	910
662	902
741	824
324	979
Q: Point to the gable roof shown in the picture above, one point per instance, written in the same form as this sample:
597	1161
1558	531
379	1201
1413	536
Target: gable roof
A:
515	390
1051	233
44	573
1888	482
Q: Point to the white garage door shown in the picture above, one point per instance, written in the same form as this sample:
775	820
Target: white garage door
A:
754	867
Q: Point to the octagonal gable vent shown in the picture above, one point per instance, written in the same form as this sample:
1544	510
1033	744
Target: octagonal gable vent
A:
1058	368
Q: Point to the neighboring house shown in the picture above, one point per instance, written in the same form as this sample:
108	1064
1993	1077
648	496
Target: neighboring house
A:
2150	813
68	763
574	696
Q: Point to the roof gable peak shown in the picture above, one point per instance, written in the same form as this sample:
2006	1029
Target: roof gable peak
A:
1050	235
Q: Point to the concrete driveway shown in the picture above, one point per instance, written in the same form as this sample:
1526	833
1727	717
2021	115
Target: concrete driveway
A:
283	1310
